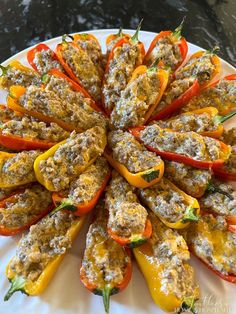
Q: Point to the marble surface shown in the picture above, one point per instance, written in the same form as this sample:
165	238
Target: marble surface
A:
24	23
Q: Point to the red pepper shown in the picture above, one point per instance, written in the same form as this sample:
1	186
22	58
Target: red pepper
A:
9	231
121	42
229	278
65	65
229	77
81	209
112	37
177	103
40	47
224	175
75	86
176	37
206	164
133	241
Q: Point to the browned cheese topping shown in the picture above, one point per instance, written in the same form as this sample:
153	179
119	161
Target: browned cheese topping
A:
28	127
229	137
85	187
126	58
189	144
171	255
72	157
93	49
230	164
191	180
222	97
44	241
135	101
44	61
129	152
175	89
104	260
211	242
17	169
84	69
200	67
218	203
23	208
16	76
166	202
50	104
187	122
167	50
126	216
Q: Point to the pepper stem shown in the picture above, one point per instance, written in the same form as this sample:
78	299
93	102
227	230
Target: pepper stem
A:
187	305
3	69
44	78
215	189
106	292
178	30
64	205
221	119
17	284
190	215
134	38
65	36
120	32
213	50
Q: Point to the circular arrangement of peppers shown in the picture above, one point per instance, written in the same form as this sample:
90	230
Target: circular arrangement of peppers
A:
144	179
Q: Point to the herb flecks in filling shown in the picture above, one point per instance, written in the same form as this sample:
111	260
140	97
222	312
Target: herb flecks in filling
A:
222	97
126	58
171	255
44	241
22	208
164	201
135	101
84	188
213	243
44	61
72	157
126	216
104	261
189	144
17	169
167	50
84	69
191	180
129	152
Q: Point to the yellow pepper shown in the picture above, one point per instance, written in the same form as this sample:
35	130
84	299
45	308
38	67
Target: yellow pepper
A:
28	287
166	301
191	213
49	153
141	179
16	92
15	181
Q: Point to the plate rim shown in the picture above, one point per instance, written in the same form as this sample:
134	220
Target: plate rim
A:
106	30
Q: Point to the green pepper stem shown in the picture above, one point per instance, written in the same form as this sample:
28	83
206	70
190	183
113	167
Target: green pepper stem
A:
187	305
120	32
64	205
134	38
106	292
215	189
65	36
44	78
17	284
222	119
178	30
213	50
4	70
190	215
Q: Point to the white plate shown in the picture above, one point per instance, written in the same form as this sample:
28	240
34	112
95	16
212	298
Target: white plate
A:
65	293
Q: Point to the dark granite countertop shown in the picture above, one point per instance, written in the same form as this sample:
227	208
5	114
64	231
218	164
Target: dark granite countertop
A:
26	22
